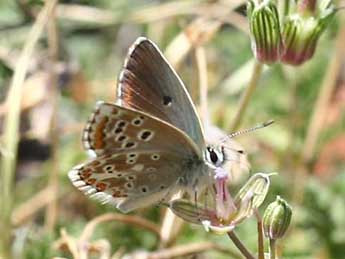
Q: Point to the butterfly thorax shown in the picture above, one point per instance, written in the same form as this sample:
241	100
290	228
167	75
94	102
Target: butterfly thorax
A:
200	171
194	169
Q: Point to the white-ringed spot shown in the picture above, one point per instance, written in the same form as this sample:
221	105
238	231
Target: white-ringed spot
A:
121	124
129	185
129	144
121	138
131	161
132	155
155	157
109	168
131	177
118	131
138	121
145	135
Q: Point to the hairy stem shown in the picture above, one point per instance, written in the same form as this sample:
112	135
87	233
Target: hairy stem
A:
261	248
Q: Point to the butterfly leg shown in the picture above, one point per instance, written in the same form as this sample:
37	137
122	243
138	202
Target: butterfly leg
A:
206	199
196	198
196	204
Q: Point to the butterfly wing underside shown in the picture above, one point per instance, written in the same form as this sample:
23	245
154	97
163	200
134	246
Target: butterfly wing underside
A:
135	165
148	83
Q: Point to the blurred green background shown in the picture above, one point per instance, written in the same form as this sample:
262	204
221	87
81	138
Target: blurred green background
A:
62	87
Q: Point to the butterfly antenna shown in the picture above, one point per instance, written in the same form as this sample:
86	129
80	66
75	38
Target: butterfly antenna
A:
245	131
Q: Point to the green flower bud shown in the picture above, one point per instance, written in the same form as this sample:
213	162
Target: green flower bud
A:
265	30
196	214
301	33
191	212
251	196
276	219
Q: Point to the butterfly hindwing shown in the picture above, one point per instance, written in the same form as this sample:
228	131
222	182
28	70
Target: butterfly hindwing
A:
148	83
129	179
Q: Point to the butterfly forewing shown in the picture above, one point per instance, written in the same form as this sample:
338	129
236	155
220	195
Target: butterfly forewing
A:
112	128
148	83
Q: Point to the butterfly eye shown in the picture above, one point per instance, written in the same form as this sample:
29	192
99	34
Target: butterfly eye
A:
212	155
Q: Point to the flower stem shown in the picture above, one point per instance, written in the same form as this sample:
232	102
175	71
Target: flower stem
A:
273	249
238	243
247	95
261	249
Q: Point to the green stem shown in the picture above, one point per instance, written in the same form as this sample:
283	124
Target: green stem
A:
238	243
273	249
286	7
245	98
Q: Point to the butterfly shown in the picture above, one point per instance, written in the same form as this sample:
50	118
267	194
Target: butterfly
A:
150	144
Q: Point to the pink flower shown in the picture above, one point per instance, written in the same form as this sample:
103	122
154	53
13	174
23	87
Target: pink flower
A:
226	213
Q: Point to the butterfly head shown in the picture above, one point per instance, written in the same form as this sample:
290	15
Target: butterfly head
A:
218	155
224	152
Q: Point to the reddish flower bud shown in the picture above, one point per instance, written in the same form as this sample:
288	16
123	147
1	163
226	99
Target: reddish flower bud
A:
301	32
265	30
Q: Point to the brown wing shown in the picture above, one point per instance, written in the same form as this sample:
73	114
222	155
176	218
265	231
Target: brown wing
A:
112	128
148	83
130	179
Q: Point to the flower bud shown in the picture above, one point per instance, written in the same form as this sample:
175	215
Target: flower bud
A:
265	30
276	219
196	214
191	212
251	196
301	33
